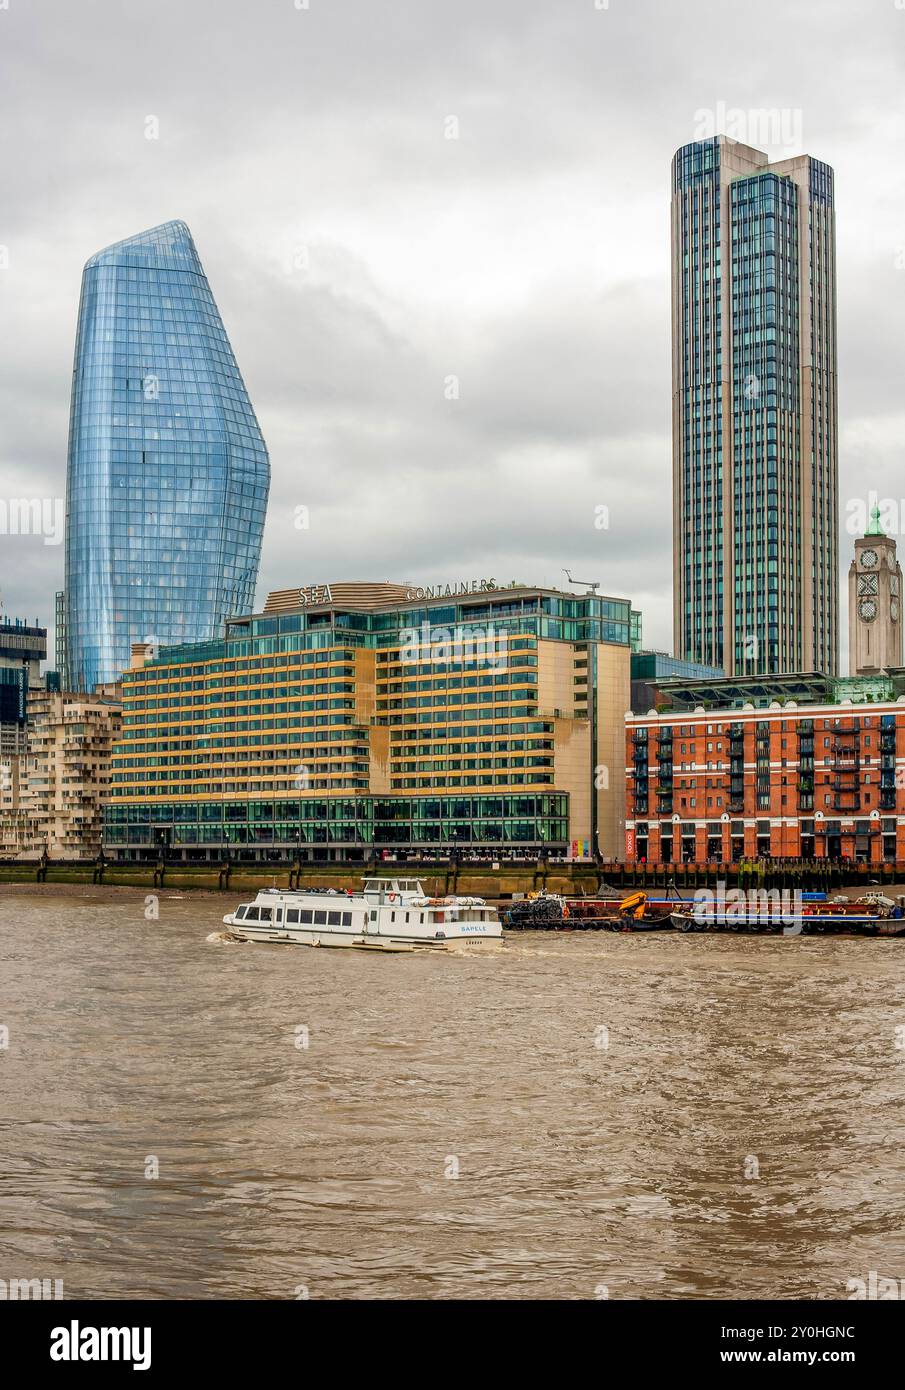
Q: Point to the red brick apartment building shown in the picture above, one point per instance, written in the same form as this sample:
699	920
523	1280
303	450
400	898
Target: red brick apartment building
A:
805	778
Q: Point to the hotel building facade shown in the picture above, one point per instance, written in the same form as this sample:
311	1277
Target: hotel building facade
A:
358	719
754	410
787	767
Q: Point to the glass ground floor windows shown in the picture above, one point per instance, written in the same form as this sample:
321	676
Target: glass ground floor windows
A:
438	821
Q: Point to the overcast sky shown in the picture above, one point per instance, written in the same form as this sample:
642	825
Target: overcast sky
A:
361	257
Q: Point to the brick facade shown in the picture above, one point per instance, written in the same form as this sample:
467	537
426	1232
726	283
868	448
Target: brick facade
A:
805	782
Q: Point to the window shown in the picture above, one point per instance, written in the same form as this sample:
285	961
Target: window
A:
305	916
347	919
320	919
334	919
292	914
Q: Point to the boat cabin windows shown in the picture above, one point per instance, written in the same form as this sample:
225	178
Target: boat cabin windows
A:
305	917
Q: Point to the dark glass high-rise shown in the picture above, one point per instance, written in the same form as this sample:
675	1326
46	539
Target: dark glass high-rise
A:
168	471
755	416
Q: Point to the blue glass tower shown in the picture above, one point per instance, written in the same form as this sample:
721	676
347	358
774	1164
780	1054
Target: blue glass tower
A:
168	471
755	494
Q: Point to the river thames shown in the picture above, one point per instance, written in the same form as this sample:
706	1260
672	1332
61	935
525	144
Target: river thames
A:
574	1116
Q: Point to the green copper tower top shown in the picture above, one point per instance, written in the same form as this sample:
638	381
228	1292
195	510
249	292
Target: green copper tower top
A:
875	529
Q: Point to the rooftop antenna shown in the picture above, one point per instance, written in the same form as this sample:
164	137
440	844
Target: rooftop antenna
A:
591	585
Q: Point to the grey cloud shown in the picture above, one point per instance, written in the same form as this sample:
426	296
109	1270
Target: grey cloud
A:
428	257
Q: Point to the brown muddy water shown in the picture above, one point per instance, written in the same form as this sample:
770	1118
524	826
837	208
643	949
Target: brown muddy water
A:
652	1116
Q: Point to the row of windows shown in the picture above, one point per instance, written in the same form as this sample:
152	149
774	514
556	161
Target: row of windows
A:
298	916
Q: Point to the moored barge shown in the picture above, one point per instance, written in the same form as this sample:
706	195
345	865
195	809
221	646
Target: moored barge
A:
810	914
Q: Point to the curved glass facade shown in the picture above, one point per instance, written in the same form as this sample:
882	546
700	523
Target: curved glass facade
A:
168	471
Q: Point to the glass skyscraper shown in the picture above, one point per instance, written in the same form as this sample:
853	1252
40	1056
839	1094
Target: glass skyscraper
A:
754	410
168	471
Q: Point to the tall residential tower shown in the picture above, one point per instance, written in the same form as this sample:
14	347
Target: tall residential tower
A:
168	472
754	410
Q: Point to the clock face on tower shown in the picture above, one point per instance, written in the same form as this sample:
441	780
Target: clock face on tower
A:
867	609
868	559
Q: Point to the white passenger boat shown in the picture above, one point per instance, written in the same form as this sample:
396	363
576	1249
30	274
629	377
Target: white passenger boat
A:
388	914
